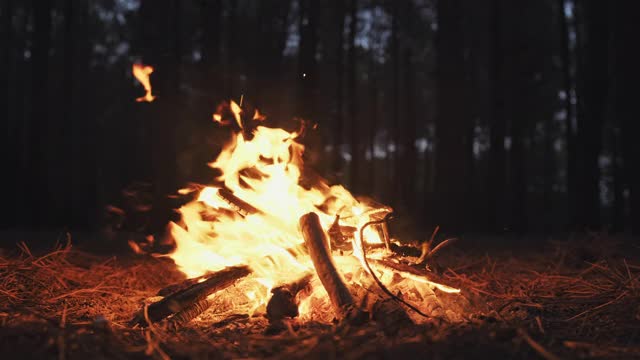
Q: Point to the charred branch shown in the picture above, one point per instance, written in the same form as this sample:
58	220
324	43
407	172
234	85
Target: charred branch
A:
340	235
406	250
330	277
240	206
416	270
173	288
285	301
189	313
399	267
185	298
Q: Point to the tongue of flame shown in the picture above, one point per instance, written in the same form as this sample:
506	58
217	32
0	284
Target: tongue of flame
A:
265	171
142	72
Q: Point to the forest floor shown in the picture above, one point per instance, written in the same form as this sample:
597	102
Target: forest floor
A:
570	299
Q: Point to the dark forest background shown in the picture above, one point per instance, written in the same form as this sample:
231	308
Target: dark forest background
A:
479	116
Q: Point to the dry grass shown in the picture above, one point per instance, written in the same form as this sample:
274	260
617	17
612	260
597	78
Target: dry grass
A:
86	286
574	299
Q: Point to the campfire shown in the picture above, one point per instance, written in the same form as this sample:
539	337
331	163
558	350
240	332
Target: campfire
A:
272	237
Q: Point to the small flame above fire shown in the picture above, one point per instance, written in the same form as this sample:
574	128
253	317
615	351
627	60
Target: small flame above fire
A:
142	72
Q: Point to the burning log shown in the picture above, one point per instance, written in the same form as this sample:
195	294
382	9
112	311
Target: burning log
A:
318	247
189	313
173	288
193	294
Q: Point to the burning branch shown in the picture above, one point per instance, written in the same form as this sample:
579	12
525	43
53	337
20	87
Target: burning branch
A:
240	206
182	285
193	294
189	313
331	279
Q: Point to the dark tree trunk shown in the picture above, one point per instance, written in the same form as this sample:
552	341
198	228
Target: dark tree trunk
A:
548	176
549	171
373	124
21	114
497	127
307	73
272	35
211	24
86	167
570	133
518	174
453	120
38	141
627	78
354	130
8	143
65	162
232	68
307	65
617	216
162	49
394	176
79	157
592	100
339	93
409	154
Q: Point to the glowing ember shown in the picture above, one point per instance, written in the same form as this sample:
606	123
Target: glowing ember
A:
252	218
142	72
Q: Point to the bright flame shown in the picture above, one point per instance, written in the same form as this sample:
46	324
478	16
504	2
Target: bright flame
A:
142	72
235	108
265	172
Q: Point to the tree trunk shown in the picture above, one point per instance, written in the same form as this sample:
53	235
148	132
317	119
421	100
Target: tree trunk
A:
617	216
627	78
354	130
85	204
409	160
569	89
498	127
211	23
162	49
38	141
518	175
453	121
272	37
394	176
594	70
307	60
373	125
231	73
8	143
339	93
66	123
